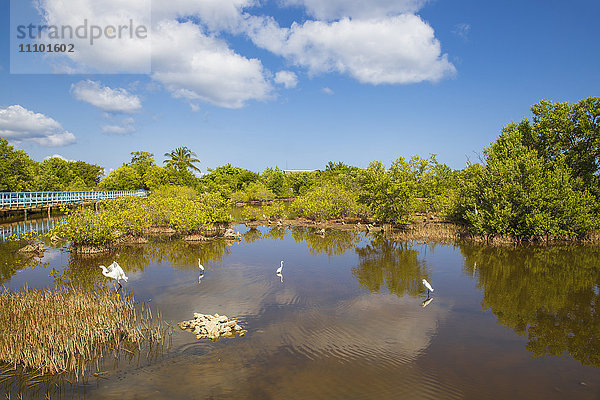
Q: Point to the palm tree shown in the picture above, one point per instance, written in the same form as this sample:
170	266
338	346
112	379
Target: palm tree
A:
181	158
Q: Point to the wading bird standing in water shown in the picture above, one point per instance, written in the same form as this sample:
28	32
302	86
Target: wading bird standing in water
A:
278	272
428	286
114	271
201	267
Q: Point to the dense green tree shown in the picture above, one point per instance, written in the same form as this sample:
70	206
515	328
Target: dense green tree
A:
16	169
181	159
519	193
275	180
56	174
228	179
88	174
567	132
390	194
141	161
123	178
302	181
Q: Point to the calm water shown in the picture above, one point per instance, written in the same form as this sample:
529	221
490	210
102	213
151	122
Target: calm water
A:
348	321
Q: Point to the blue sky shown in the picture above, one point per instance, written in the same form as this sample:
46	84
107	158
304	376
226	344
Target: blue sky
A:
297	83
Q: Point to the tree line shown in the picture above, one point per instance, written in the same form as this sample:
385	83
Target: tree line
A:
540	177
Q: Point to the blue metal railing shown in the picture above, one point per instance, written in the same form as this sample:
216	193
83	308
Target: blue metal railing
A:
20	200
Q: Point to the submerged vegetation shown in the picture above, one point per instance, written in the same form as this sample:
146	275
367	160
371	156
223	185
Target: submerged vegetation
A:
539	180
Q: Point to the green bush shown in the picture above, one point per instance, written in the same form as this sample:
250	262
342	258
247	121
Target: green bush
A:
177	207
328	201
259	192
519	193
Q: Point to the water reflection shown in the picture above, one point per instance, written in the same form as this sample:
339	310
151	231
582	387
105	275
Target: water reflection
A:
252	235
392	264
331	242
12	261
549	294
36	225
83	269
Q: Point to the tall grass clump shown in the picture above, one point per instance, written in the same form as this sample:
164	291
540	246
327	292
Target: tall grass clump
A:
69	331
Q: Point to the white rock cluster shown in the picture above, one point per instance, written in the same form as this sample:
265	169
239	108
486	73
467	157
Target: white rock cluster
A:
212	326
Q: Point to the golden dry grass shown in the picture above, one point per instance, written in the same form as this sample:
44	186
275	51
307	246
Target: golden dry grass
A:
69	331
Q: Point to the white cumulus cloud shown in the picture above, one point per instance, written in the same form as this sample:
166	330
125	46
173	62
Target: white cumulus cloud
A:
57	156
336	9
20	124
286	78
195	66
382	42
105	98
395	50
122	50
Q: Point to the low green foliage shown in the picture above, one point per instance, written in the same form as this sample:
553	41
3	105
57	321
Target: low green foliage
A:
177	207
277	210
327	201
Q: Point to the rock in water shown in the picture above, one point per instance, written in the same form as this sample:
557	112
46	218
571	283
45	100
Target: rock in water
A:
212	327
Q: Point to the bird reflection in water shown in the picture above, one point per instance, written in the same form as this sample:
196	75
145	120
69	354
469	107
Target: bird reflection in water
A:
426	302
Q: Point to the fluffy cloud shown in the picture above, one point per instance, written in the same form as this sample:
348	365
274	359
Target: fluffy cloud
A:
286	78
19	124
117	129
195	66
215	14
395	50
123	53
59	157
335	9
105	98
384	43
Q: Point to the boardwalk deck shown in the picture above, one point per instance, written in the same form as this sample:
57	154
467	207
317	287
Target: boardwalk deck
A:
40	200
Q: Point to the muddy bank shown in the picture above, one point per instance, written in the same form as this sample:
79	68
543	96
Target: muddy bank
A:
123	240
426	228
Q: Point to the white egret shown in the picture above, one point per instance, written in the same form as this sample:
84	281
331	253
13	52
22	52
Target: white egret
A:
200	265
280	268
427	285
476	212
114	271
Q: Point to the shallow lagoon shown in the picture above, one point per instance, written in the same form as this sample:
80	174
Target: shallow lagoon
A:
348	319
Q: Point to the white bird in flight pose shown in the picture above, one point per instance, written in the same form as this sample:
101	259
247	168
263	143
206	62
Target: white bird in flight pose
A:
114	271
427	285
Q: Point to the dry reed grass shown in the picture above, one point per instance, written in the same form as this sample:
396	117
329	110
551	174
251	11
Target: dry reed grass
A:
68	332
